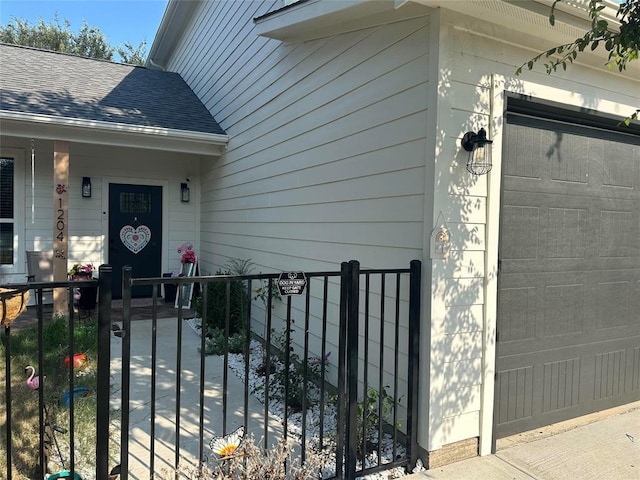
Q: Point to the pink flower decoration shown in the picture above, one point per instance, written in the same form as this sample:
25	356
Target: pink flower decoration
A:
188	254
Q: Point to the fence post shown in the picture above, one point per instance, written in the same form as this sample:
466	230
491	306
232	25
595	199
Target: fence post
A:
345	274
125	374
103	370
415	287
353	306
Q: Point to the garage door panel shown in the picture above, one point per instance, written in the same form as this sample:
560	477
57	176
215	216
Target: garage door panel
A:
568	330
577	308
569	382
632	379
609	370
515	392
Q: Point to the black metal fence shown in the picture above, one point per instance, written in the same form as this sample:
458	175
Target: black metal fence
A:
335	369
32	430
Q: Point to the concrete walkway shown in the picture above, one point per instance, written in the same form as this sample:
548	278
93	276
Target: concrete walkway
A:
165	405
605	445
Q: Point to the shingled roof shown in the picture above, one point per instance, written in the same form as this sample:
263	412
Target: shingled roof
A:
48	83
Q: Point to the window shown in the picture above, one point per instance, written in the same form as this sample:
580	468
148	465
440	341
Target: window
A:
11	210
7	167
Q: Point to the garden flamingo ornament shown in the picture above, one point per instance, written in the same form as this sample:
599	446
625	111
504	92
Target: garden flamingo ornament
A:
33	382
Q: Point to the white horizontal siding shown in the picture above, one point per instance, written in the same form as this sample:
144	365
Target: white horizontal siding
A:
326	159
327	152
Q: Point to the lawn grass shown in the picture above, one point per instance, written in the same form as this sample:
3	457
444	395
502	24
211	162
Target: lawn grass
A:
24	401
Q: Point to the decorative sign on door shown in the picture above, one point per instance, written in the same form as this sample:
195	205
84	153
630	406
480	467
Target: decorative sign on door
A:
135	238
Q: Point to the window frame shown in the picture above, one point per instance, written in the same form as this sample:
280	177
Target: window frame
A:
19	193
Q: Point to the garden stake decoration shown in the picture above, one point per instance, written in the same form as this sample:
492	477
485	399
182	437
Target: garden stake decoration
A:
79	393
33	381
80	361
228	446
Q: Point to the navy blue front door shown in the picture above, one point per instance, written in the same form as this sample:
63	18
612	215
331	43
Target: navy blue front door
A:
135	233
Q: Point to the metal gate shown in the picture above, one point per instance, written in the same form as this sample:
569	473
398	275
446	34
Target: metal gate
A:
349	390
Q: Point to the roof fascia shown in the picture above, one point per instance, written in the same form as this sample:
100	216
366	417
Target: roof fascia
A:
174	21
311	19
106	133
573	14
316	18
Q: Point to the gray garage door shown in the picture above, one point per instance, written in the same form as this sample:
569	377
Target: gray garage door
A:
569	281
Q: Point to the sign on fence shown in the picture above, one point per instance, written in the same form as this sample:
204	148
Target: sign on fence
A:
291	283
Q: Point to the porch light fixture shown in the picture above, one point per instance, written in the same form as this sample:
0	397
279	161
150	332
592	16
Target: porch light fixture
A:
479	148
86	187
185	194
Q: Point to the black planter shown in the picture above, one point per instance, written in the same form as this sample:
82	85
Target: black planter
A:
87	300
170	290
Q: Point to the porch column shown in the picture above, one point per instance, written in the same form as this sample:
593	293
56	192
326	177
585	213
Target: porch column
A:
60	221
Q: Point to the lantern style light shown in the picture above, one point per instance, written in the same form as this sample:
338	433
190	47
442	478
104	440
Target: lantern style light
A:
185	193
479	148
86	187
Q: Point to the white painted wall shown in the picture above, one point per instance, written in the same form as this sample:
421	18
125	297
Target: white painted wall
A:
332	143
326	156
475	71
326	159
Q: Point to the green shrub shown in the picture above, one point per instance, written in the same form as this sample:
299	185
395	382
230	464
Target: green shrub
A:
290	385
376	409
214	344
216	291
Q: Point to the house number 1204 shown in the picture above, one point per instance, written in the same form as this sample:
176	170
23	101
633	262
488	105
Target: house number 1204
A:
60	222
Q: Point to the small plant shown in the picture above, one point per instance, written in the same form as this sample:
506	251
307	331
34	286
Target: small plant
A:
376	409
217	299
276	463
79	270
214	344
263	292
279	462
290	385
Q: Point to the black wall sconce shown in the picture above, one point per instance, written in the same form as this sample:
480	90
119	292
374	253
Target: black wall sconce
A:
86	187
479	148
185	194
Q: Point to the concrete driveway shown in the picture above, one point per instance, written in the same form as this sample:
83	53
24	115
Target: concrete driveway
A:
604	445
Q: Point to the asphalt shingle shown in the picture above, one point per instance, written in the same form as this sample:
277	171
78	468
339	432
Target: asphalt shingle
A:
50	83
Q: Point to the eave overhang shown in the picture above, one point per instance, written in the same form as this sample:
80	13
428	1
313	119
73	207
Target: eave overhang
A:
317	18
47	127
174	21
310	19
574	13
